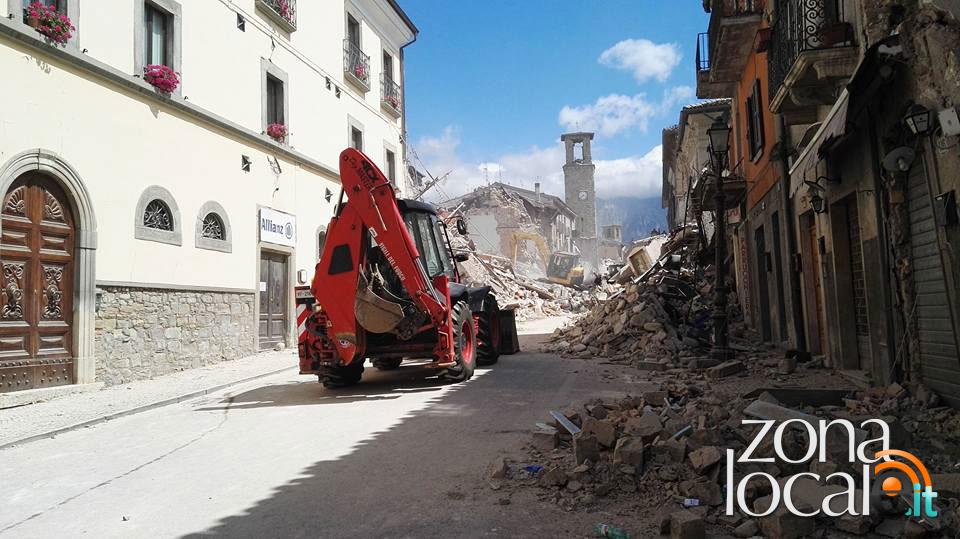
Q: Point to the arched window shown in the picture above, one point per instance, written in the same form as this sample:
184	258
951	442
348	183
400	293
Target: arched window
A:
157	217
213	228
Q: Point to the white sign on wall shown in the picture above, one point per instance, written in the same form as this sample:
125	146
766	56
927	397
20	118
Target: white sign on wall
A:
278	227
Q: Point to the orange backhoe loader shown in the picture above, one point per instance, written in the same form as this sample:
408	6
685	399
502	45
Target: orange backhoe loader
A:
387	288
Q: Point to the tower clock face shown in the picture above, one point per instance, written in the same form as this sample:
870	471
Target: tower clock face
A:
582	195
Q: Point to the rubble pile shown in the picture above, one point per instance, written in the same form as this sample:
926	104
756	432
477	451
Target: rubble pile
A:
663	454
650	325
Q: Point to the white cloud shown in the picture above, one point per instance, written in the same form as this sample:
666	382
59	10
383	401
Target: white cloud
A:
644	58
615	113
609	115
633	176
677	95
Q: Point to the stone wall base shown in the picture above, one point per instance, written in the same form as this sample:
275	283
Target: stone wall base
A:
142	333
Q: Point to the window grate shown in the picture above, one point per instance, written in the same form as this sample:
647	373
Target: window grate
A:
158	216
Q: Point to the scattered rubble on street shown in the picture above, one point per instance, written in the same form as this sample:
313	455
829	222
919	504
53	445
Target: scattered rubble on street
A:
662	453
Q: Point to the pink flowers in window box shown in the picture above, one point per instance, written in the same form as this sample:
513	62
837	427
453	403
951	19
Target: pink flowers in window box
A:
161	77
285	11
360	71
56	26
277	132
393	101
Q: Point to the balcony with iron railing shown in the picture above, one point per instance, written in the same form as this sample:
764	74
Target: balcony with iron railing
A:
282	12
390	98
812	46
723	50
356	65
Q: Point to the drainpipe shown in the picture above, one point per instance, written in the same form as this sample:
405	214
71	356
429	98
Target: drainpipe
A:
795	286
403	113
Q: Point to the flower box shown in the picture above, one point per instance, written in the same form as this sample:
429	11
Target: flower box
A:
277	132
45	19
161	77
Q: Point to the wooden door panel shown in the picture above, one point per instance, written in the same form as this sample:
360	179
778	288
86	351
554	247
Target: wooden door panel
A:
36	286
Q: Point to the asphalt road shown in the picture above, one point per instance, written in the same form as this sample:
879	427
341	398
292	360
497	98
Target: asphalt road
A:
399	455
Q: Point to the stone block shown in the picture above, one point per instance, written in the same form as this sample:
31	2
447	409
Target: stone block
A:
585	447
727	368
686	525
605	431
629	451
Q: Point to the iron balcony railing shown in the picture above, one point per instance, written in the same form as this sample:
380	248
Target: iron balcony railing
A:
719	10
355	62
801	26
703	52
390	92
282	10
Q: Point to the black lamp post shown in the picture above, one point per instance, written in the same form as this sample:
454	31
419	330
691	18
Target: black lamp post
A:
719	134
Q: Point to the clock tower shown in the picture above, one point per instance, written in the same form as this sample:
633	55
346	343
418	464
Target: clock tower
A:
580	194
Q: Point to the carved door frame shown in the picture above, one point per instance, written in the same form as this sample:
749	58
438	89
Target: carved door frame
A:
68	179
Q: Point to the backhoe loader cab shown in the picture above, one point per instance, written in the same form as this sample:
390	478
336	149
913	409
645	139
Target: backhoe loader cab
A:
564	268
387	288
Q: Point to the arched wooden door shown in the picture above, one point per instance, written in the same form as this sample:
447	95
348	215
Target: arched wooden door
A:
36	298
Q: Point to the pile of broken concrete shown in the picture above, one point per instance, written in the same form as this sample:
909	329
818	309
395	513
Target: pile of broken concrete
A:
643	324
665	452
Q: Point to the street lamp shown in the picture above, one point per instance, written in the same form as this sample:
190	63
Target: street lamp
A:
719	134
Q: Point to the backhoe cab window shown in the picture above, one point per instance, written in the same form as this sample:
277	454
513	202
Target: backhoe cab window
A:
422	227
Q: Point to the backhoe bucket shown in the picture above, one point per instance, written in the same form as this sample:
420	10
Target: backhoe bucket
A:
374	313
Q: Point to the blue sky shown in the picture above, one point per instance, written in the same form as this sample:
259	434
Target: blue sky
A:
496	82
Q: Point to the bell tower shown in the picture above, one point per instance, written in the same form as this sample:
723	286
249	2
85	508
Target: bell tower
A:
580	193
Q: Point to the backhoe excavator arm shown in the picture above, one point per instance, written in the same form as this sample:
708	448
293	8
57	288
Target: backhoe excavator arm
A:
371	212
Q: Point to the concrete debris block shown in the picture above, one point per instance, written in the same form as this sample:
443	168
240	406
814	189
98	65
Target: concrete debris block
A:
703	458
655	398
554	477
647	365
787	366
686	525
708	492
604	431
585	447
629	450
727	368
890	527
856	525
545	438
498	468
646	426
747	529
701	363
597	411
781	524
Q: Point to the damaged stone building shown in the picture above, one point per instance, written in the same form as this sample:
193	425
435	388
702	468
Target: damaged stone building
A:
845	131
498	211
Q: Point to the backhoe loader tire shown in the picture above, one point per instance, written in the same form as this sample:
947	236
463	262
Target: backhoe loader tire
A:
387	364
464	344
335	377
488	332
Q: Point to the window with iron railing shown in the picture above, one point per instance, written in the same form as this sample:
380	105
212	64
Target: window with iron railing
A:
803	26
355	62
282	11
390	92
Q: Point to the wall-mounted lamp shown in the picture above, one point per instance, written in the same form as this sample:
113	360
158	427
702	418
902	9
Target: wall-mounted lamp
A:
919	119
813	193
899	159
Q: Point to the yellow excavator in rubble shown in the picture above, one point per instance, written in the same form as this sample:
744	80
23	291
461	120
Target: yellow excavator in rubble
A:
562	268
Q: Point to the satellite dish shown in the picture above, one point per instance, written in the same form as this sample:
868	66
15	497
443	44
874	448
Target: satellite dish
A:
899	159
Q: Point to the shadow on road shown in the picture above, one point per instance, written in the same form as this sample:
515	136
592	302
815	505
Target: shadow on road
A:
375	385
418	478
